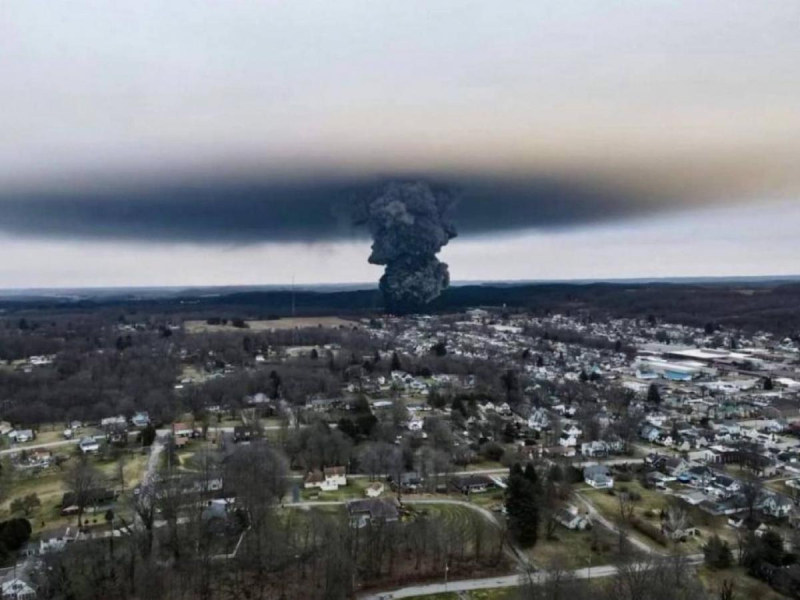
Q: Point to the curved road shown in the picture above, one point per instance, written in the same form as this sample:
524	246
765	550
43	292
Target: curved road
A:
515	553
494	582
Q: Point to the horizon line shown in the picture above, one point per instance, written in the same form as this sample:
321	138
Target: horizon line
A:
365	285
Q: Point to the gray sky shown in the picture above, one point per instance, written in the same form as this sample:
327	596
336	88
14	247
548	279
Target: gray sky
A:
207	142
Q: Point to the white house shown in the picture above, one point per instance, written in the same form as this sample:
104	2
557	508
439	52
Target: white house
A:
140	419
108	421
56	540
335	476
375	489
88	445
650	433
569	436
567	441
570	518
20	436
593	449
564	410
538	420
598	476
16	589
328	480
776	506
656	419
415	425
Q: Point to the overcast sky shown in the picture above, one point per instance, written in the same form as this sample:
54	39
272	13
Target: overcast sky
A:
175	143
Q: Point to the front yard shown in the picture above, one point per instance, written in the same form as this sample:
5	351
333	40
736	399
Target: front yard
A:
578	549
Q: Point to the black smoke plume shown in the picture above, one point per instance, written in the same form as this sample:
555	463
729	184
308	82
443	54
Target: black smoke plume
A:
409	225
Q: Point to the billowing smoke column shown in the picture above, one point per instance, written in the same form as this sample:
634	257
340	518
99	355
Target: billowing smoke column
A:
409	225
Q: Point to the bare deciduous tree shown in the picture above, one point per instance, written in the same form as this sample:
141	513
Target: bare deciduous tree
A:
81	480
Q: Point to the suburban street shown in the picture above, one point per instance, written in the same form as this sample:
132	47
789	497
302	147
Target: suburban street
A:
468	585
18	449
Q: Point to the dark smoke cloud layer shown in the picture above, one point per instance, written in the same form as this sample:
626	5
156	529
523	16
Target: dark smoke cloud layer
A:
305	211
409	223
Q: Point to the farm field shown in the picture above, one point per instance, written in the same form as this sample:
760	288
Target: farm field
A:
269	325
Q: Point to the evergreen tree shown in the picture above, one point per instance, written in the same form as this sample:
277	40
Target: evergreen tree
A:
717	553
458	406
522	505
531	474
653	395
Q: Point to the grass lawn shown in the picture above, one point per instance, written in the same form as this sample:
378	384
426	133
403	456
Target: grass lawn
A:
134	464
577	549
461	521
647	509
609	505
780	487
490	499
352	491
49	486
45	437
493	594
506	593
654	501
744	585
301	513
486	465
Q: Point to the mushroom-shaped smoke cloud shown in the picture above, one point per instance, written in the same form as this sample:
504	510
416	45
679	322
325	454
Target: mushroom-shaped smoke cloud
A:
409	225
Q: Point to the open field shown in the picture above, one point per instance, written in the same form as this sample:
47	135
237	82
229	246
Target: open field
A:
744	585
133	467
49	485
489	499
608	505
648	509
268	325
577	549
44	437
